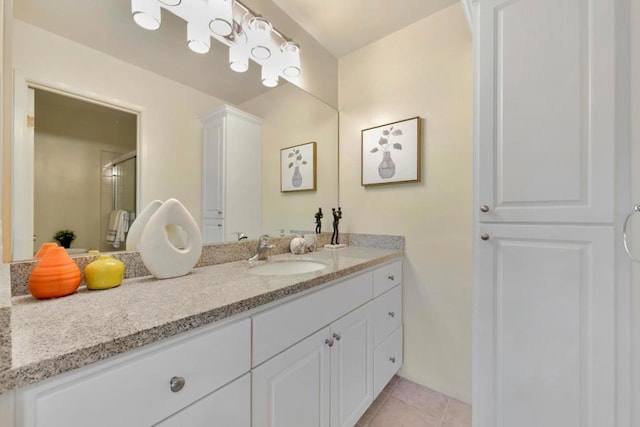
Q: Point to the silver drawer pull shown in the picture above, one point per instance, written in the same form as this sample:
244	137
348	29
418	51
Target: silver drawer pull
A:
220	212
391	314
329	342
484	236
337	336
484	208
392	359
392	277
176	384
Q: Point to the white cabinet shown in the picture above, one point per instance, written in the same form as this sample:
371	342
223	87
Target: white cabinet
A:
293	388
231	168
229	407
141	389
324	380
329	378
545	272
351	366
546	355
545	76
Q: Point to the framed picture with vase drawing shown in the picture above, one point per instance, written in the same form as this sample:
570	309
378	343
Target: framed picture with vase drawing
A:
391	153
298	168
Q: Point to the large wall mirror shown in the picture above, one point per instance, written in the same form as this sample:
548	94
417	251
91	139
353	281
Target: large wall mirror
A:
144	81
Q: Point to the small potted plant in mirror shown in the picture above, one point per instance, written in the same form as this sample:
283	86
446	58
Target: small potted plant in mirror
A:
65	237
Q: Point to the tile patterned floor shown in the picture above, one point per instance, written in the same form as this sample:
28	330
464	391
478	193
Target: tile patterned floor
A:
406	404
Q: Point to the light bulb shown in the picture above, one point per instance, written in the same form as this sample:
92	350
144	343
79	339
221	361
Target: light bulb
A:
198	38
291	59
269	75
259	37
146	13
238	58
222	21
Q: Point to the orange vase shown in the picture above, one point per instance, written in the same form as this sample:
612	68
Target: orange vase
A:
44	248
56	275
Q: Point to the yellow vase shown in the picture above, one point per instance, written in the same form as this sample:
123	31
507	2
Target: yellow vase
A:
104	273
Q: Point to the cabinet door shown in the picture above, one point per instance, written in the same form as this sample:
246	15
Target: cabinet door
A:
228	407
213	136
212	230
292	389
545	327
351	366
545	111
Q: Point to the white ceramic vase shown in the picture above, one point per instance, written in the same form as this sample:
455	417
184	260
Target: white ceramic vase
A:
159	254
136	229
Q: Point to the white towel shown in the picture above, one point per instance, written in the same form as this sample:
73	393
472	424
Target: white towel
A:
118	227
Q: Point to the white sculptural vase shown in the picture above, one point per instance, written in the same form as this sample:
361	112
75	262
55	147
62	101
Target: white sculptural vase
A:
136	229
159	254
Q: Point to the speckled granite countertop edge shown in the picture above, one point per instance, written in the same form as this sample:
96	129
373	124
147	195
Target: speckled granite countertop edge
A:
28	373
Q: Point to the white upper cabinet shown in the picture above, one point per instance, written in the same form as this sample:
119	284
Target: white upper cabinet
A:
545	110
231	175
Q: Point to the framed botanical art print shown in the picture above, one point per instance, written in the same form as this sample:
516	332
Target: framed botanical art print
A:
391	153
298	168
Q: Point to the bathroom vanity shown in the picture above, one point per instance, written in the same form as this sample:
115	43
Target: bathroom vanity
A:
222	343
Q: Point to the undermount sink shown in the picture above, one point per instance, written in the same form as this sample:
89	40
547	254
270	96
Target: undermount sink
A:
279	268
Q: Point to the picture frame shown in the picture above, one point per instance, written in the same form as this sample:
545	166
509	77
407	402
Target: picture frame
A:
298	168
391	153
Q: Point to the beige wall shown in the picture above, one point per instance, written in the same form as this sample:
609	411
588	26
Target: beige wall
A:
170	129
292	117
422	70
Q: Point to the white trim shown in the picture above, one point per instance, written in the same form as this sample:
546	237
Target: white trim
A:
22	178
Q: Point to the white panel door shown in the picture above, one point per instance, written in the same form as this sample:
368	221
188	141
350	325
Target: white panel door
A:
545	327
293	388
352	366
213	137
545	109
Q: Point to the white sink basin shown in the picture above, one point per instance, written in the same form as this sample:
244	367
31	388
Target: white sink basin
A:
279	268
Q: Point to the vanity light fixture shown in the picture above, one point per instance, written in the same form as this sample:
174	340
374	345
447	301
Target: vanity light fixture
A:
246	34
146	13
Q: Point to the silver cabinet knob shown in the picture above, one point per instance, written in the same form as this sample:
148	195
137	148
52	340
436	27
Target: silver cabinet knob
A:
329	342
392	359
176	384
391	314
220	212
337	336
219	225
484	236
391	277
484	208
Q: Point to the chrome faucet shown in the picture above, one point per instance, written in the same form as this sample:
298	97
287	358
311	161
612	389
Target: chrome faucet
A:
261	250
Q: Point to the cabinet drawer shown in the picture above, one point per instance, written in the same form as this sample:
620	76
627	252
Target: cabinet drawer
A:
137	391
280	327
387	360
386	277
230	407
387	314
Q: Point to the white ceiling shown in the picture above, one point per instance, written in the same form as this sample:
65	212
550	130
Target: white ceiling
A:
343	26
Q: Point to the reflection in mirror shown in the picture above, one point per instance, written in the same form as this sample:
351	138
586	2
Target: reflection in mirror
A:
169	127
84	172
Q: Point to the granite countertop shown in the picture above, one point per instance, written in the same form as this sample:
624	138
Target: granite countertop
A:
50	337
